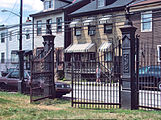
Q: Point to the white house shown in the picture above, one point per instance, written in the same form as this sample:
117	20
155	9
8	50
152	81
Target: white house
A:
55	14
9	44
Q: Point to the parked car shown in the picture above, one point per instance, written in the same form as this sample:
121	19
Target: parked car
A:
4	73
10	81
150	77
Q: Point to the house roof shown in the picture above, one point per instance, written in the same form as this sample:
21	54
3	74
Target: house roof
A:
144	2
91	7
62	0
58	10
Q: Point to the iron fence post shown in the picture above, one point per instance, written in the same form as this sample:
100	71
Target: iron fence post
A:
72	74
129	86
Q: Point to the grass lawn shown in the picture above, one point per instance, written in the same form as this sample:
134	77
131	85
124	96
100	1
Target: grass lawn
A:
14	106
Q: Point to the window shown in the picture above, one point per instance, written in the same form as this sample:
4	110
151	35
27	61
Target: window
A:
14	57
159	52
39	27
146	21
2	37
27	34
10	36
78	31
48	4
48	26
108	57
101	3
108	28
91	30
2	58
59	24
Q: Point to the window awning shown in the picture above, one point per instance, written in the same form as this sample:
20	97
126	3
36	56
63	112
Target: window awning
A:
104	46
105	19
77	48
75	24
89	22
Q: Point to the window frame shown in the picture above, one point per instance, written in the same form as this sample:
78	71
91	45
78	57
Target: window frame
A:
39	27
27	34
108	56
14	57
48	22
94	30
75	30
59	24
3	58
10	38
142	22
159	52
3	37
102	3
48	4
106	31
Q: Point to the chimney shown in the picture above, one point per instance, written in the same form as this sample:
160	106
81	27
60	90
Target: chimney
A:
28	20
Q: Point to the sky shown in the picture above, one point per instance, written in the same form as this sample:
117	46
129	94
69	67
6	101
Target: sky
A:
29	7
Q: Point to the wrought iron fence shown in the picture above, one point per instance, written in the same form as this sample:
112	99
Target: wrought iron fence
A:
97	90
149	77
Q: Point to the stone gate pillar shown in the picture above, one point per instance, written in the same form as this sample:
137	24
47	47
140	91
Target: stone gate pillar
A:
129	98
49	64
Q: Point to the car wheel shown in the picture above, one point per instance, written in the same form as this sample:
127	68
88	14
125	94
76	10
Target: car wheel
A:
159	86
3	86
59	96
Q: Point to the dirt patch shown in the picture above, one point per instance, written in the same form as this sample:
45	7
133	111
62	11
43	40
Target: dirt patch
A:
43	107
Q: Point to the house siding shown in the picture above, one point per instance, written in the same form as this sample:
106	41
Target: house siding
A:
152	38
59	39
12	44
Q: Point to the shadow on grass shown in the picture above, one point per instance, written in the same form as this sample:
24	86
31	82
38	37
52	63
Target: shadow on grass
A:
56	101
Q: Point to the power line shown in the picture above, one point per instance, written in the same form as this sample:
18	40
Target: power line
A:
11	10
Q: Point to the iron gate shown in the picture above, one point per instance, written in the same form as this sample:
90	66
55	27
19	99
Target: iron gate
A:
42	71
149	76
88	91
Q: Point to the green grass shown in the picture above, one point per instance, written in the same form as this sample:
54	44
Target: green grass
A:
14	106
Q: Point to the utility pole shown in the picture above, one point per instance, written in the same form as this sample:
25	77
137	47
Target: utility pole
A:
21	62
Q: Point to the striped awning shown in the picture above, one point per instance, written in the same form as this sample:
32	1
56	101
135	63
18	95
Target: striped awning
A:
77	48
105	19
104	46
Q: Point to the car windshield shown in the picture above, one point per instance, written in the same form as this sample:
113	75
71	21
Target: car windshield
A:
143	70
15	74
149	70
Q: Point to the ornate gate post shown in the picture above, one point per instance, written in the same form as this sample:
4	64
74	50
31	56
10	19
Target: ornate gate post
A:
129	95
49	64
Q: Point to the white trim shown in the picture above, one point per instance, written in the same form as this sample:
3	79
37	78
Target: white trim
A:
151	20
89	21
159	46
105	19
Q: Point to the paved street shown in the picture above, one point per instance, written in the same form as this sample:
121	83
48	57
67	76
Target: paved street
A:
107	93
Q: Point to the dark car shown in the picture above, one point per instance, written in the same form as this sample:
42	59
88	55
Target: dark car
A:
150	77
11	80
